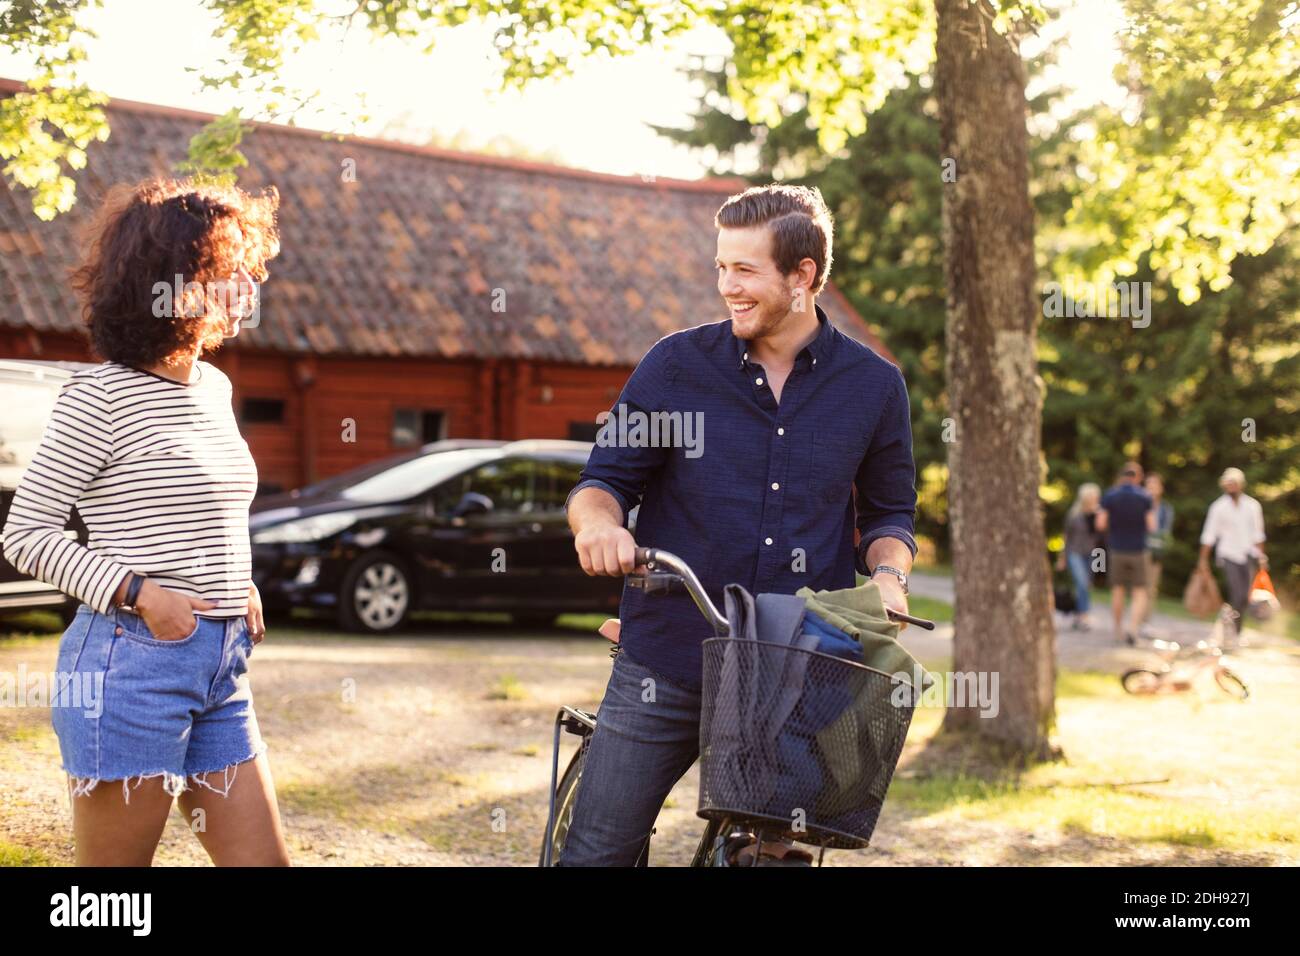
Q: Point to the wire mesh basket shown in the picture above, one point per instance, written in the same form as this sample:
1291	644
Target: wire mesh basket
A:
798	742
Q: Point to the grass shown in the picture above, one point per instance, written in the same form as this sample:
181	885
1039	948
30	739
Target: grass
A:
918	605
13	855
1192	770
1118	809
507	687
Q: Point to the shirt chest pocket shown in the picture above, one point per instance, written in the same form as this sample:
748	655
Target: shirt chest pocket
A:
836	457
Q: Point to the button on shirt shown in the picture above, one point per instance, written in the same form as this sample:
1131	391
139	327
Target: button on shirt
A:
747	490
1234	528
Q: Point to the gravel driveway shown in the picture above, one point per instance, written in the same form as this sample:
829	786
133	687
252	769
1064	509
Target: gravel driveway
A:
433	748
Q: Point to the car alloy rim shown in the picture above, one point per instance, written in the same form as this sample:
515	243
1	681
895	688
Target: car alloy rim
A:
381	595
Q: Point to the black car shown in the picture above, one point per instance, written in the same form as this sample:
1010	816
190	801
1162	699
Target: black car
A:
456	525
29	389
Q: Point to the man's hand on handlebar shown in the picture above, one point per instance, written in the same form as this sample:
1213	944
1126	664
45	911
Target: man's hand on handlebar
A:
607	549
891	593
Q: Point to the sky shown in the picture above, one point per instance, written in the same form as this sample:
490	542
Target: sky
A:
597	119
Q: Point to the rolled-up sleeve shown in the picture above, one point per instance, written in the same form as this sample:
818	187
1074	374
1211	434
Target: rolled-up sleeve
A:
886	479
623	470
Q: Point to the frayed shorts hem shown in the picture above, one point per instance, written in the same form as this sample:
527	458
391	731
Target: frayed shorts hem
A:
173	783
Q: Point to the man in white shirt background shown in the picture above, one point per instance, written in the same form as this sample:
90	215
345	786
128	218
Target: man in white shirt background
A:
1234	528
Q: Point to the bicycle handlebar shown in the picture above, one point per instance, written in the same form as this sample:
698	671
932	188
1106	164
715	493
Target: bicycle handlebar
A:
653	559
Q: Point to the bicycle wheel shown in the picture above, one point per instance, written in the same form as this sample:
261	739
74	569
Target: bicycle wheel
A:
1141	681
1230	683
565	795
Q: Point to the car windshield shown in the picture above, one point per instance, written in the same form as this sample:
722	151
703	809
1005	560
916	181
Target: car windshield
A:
406	479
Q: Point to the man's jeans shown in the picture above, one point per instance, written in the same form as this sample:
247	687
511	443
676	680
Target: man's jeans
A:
647	736
1240	577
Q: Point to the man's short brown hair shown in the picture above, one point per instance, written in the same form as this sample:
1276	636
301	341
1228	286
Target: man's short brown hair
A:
799	221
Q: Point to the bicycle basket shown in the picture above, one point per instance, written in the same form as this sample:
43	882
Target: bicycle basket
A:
798	742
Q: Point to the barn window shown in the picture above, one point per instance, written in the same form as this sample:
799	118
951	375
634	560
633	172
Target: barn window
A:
583	431
262	411
417	426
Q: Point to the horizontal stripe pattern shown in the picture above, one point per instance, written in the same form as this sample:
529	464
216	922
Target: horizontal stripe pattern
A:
162	479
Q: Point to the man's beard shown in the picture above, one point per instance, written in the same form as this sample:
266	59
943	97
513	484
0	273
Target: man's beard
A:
764	319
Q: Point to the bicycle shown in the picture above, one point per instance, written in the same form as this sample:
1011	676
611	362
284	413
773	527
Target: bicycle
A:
1180	669
726	831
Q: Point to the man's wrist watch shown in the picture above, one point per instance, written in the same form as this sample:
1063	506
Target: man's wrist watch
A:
902	578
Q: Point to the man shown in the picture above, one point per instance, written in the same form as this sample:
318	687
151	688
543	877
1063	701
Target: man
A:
799	417
1127	516
1234	529
1157	540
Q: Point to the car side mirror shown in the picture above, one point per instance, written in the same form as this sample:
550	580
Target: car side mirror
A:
472	503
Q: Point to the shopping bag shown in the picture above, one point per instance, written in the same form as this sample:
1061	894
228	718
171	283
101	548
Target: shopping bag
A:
1263	599
1202	596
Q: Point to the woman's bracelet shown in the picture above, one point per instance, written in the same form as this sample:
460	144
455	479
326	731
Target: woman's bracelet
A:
132	592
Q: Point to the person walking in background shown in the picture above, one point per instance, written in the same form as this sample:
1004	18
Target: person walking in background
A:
1234	529
1126	516
1157	540
1081	539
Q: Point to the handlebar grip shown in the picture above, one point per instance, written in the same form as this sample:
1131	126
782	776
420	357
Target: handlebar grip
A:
900	616
643	555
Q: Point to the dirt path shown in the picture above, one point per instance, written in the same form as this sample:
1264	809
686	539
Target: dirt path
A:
433	749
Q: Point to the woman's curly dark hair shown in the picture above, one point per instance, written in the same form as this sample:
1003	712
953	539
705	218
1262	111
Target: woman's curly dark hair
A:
144	237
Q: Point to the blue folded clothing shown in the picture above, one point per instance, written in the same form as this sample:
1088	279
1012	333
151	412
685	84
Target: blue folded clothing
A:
830	639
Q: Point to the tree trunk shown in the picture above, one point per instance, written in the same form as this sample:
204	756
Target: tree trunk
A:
1003	622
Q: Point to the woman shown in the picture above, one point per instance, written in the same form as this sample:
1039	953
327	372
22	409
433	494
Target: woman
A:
1080	541
146	447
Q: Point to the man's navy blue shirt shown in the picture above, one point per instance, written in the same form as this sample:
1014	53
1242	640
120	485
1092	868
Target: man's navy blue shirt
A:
769	503
1126	517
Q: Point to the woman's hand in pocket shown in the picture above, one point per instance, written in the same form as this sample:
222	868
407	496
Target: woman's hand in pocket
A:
169	615
255	620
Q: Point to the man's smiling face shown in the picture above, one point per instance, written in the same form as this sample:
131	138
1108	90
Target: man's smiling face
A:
758	296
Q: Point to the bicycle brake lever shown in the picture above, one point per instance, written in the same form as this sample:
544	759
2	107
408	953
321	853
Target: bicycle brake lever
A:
653	582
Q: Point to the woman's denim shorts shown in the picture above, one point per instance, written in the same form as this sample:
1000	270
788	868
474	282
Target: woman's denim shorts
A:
129	706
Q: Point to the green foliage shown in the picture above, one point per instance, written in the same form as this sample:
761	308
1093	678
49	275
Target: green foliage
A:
45	130
214	154
1202	165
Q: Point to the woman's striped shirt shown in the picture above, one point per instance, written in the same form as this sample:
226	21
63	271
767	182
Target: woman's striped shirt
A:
161	477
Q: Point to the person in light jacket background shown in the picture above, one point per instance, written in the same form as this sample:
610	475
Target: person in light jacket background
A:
1234	531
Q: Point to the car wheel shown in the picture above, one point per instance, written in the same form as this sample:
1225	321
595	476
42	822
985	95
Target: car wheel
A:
376	595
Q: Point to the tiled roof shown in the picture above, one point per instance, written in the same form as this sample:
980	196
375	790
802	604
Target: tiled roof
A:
411	258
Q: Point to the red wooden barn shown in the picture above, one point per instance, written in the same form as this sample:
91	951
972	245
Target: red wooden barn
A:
419	292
